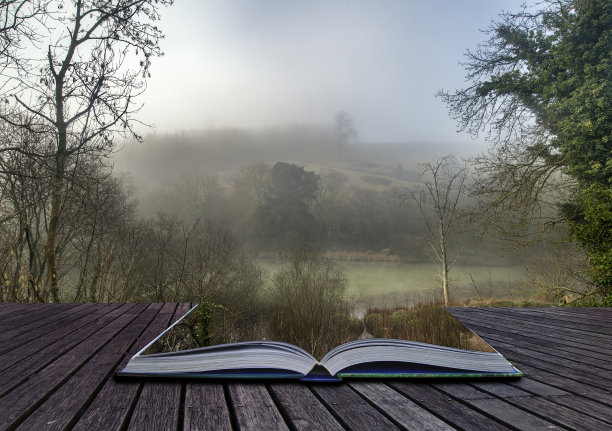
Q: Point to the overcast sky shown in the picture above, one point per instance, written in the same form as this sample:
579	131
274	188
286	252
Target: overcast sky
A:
258	63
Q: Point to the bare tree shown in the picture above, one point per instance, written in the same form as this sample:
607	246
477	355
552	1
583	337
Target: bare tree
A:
18	22
80	88
344	131
438	202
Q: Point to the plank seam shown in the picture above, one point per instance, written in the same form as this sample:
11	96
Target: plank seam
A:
110	374
181	411
478	409
379	409
427	408
281	409
52	358
510	401
128	416
329	408
18	421
231	410
551	399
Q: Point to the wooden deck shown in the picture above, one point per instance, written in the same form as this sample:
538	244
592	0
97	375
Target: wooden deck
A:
57	363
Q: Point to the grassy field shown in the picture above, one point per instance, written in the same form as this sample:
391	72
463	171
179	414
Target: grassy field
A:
387	284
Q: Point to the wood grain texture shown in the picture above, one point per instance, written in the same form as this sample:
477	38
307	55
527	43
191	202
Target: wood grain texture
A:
159	407
452	410
302	409
58	363
254	408
111	407
205	408
351	410
34	356
62	407
22	400
401	409
50	321
159	401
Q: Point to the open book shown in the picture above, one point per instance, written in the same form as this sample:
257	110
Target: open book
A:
166	356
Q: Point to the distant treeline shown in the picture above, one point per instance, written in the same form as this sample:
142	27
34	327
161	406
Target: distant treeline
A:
273	207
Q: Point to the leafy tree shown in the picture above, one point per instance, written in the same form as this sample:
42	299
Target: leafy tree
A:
284	214
540	88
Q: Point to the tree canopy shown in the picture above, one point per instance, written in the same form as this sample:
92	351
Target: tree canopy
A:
284	214
540	89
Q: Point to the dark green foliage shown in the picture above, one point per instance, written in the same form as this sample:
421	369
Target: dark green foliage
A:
592	227
201	329
284	215
543	83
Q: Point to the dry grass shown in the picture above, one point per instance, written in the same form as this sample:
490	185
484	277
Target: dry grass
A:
426	322
363	256
506	302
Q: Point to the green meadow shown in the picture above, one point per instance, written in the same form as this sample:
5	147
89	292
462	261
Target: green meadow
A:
388	284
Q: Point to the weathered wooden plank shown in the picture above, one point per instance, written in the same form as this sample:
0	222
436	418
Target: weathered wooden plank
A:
561	317
205	408
549	395
35	335
580	338
253	407
519	335
16	309
548	353
501	410
81	319
402	410
18	403
181	310
112	406
301	408
165	415
591	408
528	345
61	408
154	401
53	320
502	389
567	383
561	415
584	375
522	338
453	411
598	332
537	388
19	319
547	408
27	359
585	338
352	410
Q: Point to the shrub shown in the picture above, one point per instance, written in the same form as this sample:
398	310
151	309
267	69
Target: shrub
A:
308	307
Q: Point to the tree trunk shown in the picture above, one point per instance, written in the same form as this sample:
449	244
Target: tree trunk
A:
57	187
56	207
444	262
